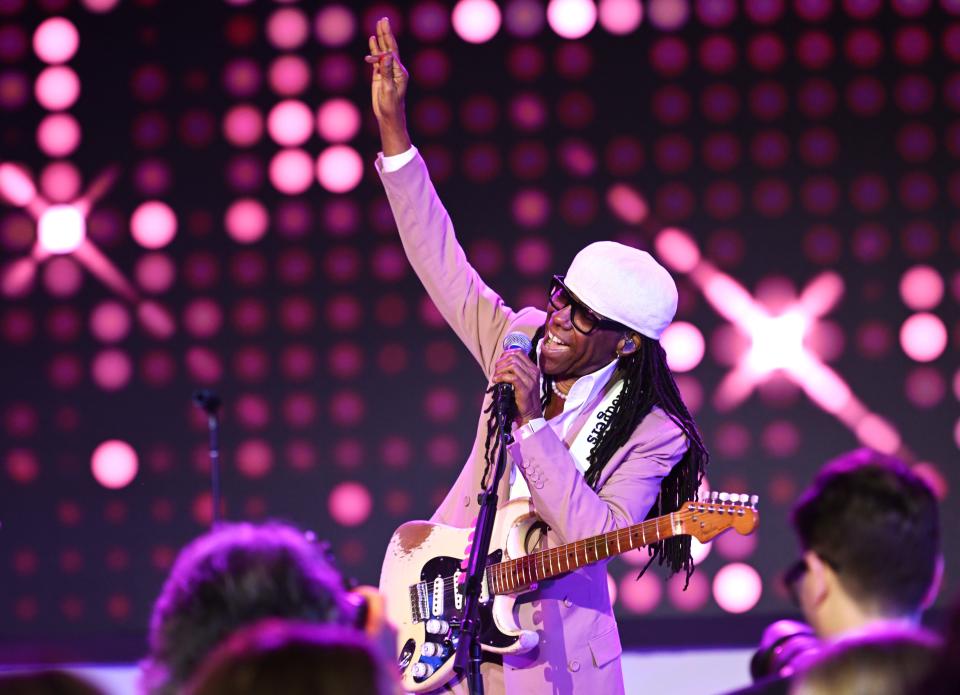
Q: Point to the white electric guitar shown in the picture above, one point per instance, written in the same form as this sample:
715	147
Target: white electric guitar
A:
421	576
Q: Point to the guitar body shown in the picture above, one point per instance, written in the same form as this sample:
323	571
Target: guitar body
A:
422	562
421	578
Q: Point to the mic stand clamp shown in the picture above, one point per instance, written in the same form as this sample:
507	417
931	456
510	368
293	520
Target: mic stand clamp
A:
468	657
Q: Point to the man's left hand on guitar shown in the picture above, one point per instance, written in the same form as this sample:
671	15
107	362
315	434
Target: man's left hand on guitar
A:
517	369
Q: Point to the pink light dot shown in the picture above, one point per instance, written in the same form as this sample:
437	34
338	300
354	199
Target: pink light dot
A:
254	458
243	125
287	28
246	220
110	321
338	120
22	466
57	88
571	19
531	208
61	229
737	587
58	135
153	224
56	40
339	168
428	21
349	504
100	6
203	365
923	337
111	369
241	77
155	272
733	546
627	203
677	249
640	595
334	25
925	387
620	17
699	551
668	15
291	171
684	345
290	123
114	464
253	412
696	595
60	182
921	287
203	318
289	75
476	21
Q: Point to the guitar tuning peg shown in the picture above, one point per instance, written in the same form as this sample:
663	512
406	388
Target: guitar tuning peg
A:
744	498
724	496
713	496
754	499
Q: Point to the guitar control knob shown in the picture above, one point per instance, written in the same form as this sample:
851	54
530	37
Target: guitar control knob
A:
429	649
422	670
436	626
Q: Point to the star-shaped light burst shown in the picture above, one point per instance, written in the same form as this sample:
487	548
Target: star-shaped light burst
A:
777	342
61	229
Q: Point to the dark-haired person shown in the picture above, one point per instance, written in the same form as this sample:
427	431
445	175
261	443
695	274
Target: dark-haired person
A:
233	576
294	658
869	533
869	530
602	435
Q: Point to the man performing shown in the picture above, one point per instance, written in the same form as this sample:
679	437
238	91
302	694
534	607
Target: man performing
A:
602	435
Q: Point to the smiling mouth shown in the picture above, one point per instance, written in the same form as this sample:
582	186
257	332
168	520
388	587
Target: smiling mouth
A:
552	342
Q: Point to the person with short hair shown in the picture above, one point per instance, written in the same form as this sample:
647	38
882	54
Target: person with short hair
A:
869	530
236	575
869	534
294	658
602	436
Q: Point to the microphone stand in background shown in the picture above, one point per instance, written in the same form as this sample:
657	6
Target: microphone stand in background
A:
209	402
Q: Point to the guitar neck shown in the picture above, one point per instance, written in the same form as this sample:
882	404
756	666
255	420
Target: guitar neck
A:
515	575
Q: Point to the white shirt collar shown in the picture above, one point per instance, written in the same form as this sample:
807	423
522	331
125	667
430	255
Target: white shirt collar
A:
587	387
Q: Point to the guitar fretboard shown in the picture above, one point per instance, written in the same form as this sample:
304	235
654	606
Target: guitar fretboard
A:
517	575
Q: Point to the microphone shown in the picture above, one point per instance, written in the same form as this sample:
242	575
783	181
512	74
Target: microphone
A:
503	392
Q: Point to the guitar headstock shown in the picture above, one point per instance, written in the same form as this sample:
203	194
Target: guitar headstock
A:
708	518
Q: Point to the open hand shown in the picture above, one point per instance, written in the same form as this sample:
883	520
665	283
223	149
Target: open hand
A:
389	86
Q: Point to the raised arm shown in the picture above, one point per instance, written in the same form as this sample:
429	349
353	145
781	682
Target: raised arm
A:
475	312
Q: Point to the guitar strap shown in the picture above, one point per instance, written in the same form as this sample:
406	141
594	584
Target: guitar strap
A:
592	420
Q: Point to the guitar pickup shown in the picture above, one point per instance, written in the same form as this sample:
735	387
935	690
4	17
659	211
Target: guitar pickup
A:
438	595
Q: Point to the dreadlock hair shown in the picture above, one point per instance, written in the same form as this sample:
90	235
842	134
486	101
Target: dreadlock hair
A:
647	382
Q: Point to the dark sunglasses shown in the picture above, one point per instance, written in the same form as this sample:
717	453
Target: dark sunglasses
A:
584	319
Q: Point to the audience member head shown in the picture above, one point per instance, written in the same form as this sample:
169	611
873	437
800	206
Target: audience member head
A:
880	663
236	575
288	658
45	683
870	535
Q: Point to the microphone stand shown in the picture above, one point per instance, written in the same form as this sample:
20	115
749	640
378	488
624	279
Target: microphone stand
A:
468	655
209	402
